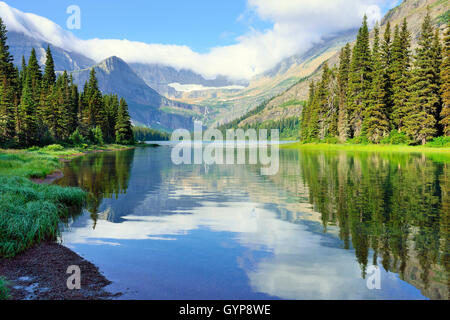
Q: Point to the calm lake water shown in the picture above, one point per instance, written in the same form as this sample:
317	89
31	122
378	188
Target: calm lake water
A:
324	227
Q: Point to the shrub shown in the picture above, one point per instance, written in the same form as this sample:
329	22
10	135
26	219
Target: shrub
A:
332	140
77	138
439	142
362	139
54	147
96	136
396	138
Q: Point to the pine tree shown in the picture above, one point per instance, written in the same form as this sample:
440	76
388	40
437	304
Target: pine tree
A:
359	80
74	106
49	77
23	73
8	96
386	56
306	114
343	76
401	68
376	122
437	63
420	122
124	131
445	88
27	108
34	71
93	109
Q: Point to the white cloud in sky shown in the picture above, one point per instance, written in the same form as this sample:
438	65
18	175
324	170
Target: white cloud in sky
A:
297	25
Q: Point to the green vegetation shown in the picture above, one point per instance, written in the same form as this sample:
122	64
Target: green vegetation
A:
327	145
38	109
382	93
29	212
3	289
147	134
289	127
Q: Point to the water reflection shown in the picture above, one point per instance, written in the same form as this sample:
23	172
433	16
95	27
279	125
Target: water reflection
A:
310	232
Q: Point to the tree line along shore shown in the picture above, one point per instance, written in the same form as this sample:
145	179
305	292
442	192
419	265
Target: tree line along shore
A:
382	93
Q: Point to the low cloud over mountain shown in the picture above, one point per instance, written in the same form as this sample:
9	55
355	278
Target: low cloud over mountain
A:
297	25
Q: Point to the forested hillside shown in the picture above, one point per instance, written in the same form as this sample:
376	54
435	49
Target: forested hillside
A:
39	108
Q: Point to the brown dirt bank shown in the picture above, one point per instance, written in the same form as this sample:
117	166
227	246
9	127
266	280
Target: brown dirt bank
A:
40	274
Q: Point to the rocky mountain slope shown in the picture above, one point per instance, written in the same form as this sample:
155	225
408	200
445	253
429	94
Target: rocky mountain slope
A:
161	77
146	106
228	106
414	11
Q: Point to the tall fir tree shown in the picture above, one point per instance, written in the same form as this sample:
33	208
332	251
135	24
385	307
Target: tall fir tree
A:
359	80
376	122
437	64
124	131
343	77
420	122
27	112
401	68
445	87
386	58
8	88
49	77
34	71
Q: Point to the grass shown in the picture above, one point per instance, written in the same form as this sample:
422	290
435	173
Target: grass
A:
3	289
366	148
29	212
59	151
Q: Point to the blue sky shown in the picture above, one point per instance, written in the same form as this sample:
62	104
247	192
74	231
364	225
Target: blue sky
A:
200	24
237	38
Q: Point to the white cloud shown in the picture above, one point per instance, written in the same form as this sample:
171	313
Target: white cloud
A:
297	25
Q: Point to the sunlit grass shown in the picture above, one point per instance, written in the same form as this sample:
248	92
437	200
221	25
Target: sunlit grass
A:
29	212
367	148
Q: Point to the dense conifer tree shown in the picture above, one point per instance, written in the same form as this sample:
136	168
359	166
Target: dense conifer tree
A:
359	80
124	132
420	122
376	123
445	88
343	77
401	68
27	113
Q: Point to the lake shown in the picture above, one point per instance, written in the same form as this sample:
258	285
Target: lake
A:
329	225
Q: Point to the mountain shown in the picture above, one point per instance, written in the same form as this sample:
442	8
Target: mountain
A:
146	105
287	104
225	106
21	45
161	77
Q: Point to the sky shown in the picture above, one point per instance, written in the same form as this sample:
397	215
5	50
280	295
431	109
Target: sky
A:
236	38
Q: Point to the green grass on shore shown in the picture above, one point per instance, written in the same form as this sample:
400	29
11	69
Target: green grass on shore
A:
30	212
365	148
3	289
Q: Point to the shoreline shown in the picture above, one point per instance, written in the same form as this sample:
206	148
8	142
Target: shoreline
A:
365	148
39	273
